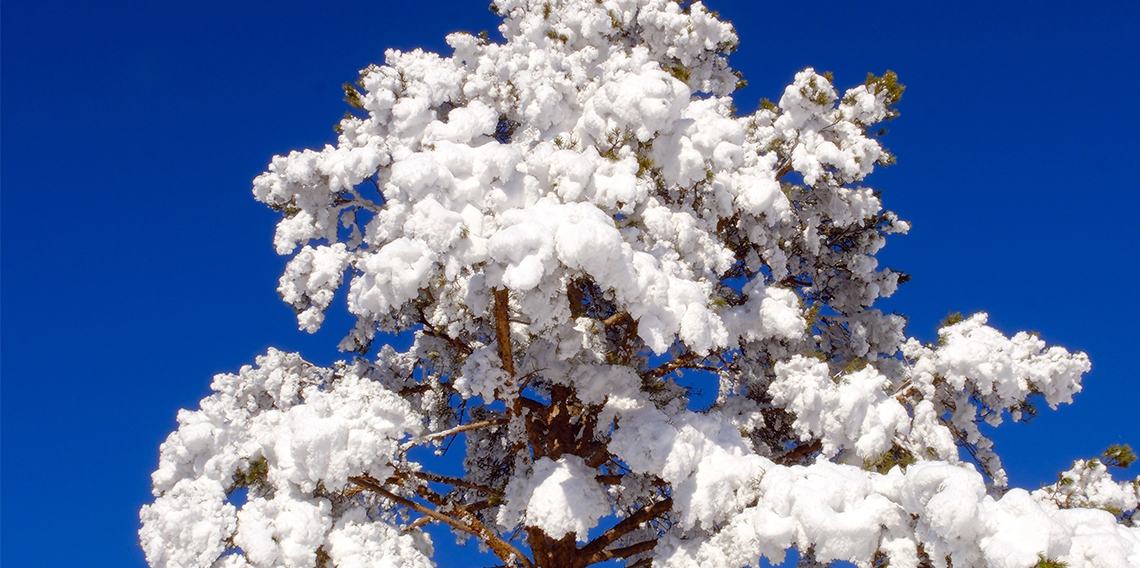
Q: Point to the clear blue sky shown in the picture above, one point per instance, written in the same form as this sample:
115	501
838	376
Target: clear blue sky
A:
135	263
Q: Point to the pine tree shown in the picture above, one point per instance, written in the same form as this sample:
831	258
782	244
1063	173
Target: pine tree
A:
580	232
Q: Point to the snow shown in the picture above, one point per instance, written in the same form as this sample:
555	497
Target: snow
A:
854	413
284	531
358	542
309	427
560	497
590	178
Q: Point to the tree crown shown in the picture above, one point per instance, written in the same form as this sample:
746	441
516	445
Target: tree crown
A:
568	222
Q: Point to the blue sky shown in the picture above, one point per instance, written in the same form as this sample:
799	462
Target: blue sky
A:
135	263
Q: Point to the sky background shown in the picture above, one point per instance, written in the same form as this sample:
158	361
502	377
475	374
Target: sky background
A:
135	263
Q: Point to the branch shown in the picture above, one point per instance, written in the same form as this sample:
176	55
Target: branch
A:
617	478
454	431
609	479
375	487
416	524
784	169
416	389
455	341
503	329
472	508
532	405
363	202
672	365
709	368
800	451
503	549
453	481
383	200
432	331
600	456
595	551
617	318
624	552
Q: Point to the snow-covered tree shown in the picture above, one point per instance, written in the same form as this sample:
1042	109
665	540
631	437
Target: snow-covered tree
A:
568	222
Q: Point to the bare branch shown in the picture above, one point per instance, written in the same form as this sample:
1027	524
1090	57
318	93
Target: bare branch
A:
503	549
799	451
785	168
453	431
453	481
371	485
624	552
672	365
595	550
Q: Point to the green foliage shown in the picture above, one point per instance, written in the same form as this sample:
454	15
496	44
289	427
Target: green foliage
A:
566	142
616	139
337	127
812	316
815	93
1043	562
952	319
889	88
892	457
352	96
615	21
680	72
728	47
256	475
1119	455
644	164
